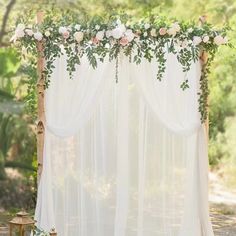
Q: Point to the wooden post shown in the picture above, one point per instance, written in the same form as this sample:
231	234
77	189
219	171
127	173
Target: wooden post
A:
41	110
203	60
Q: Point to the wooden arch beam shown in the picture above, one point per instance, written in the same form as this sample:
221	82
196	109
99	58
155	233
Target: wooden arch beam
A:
40	100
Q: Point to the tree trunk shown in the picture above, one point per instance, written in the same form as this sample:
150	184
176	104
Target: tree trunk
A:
41	110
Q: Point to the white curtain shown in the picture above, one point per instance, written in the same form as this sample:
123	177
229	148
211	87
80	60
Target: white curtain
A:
126	158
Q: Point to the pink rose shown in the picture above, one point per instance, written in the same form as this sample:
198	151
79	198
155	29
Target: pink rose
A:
162	31
95	40
124	41
66	35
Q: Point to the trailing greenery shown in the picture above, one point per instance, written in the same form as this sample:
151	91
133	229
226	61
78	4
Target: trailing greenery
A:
150	38
40	232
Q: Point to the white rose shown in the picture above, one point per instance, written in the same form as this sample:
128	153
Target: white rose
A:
77	27
218	40
47	33
171	31
20	27
97	27
190	30
29	32
122	28
176	26
62	30
153	33
108	33
145	34
197	40
38	36
205	39
117	33
79	36
147	26
129	35
100	35
107	45
19	33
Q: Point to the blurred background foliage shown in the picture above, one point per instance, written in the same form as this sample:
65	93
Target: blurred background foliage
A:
17	131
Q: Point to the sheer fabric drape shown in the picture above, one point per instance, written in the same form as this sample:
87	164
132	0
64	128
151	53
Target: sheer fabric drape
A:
126	158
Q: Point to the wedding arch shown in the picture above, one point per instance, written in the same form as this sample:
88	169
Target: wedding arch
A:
123	124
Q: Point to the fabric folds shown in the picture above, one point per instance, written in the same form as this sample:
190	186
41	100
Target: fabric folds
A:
126	158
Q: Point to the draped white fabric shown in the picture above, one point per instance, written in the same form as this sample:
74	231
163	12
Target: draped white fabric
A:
126	158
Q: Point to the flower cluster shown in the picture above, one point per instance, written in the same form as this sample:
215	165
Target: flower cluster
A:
21	31
120	32
149	39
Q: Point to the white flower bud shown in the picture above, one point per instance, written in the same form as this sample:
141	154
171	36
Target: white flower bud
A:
29	32
38	36
77	27
205	39
171	31
218	40
79	36
20	27
147	26
100	35
62	30
153	33
197	40
47	33
190	30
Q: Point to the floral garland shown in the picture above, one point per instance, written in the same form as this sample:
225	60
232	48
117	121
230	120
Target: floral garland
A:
148	38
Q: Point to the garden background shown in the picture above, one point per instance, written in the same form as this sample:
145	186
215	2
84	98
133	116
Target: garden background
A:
18	101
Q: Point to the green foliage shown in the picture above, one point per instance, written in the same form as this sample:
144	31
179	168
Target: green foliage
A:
17	141
9	65
17	193
39	232
150	37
